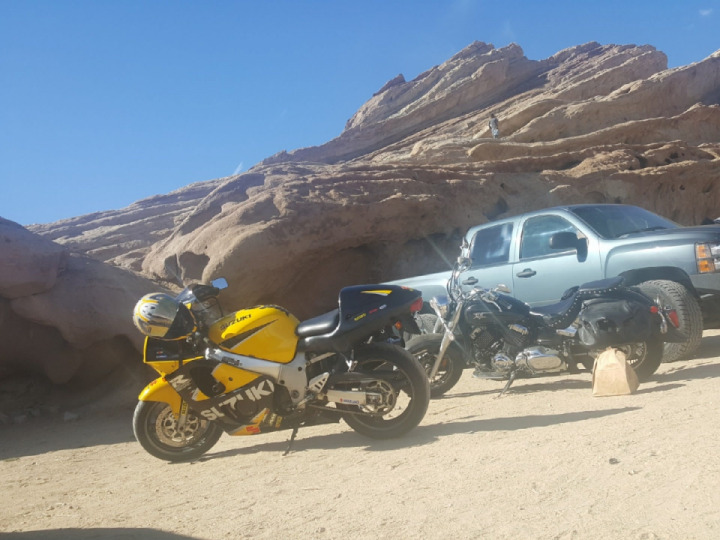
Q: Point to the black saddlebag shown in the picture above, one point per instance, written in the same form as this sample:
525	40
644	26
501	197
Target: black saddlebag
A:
604	323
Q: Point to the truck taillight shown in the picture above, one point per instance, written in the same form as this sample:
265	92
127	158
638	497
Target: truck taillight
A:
707	257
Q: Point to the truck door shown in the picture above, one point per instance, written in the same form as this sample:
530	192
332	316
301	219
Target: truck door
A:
490	253
542	274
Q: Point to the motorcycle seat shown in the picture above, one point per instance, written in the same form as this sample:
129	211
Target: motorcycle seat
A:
317	326
561	314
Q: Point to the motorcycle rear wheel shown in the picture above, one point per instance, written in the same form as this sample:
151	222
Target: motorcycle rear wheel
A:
425	349
398	373
156	430
644	357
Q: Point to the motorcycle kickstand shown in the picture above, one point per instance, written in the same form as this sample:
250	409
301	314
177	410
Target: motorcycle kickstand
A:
290	442
511	380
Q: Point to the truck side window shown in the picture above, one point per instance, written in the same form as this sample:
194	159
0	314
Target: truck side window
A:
537	232
491	245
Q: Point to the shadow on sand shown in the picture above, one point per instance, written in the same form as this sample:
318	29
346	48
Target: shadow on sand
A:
96	534
422	435
116	426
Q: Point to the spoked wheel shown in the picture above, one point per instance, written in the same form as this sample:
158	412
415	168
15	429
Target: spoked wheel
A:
425	349
402	389
644	357
158	431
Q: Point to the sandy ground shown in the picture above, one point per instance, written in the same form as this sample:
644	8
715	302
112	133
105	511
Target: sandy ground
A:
548	460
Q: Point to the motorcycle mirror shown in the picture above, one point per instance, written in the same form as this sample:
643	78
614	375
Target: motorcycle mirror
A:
503	288
220	283
464	261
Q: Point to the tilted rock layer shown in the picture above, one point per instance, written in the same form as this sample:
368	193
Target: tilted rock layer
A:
415	167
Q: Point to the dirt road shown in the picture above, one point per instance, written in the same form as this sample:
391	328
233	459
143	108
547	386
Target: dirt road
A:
546	461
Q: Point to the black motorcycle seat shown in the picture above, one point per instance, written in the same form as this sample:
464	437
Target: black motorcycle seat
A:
591	288
564	312
317	326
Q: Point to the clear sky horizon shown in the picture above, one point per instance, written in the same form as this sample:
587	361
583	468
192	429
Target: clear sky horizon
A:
104	103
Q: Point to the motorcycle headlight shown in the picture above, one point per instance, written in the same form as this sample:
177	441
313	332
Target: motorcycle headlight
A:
440	305
707	257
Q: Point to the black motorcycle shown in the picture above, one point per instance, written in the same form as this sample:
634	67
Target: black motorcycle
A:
503	338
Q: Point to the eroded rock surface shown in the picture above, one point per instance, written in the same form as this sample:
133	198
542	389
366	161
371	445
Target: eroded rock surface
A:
391	196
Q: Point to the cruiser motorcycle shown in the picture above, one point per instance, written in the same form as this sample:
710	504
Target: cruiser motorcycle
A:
503	338
258	370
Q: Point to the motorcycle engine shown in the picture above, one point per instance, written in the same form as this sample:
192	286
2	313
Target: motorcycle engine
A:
495	345
502	349
486	342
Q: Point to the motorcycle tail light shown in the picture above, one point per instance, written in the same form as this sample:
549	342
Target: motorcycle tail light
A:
416	305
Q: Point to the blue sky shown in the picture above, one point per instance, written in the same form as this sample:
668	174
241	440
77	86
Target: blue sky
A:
103	103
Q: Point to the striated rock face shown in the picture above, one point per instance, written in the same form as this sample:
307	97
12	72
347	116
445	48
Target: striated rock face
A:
415	167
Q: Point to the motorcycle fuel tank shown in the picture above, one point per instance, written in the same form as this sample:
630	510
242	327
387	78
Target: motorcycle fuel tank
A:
511	311
265	332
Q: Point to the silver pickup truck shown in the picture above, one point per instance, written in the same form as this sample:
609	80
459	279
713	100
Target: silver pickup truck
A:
539	255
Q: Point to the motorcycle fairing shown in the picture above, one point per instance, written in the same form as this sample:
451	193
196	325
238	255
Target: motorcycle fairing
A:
160	390
362	310
238	410
166	356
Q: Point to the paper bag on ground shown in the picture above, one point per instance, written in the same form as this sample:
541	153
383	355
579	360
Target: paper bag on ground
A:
612	375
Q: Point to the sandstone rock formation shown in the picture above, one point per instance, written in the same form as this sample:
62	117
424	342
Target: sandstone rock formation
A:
63	315
416	166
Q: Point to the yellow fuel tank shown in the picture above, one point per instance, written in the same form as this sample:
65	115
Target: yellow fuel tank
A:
266	332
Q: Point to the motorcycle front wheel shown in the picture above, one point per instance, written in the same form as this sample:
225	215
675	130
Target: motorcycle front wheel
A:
157	431
425	349
404	387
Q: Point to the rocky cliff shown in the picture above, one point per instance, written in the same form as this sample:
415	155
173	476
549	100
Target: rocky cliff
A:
413	169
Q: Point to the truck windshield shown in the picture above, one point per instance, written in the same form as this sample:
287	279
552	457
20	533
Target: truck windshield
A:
616	221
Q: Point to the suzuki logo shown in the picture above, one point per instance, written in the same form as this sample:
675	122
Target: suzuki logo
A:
253	393
256	393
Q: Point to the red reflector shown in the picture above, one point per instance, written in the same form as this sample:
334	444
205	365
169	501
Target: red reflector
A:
398	325
654	309
416	305
674	319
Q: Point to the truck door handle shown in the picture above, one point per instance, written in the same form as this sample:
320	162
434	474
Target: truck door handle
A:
528	272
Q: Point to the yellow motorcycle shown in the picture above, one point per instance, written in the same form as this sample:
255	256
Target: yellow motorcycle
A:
258	370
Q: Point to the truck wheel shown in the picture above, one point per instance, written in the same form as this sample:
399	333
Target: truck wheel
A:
672	294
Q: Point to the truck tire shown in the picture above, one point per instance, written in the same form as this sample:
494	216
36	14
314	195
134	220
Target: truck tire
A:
674	295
